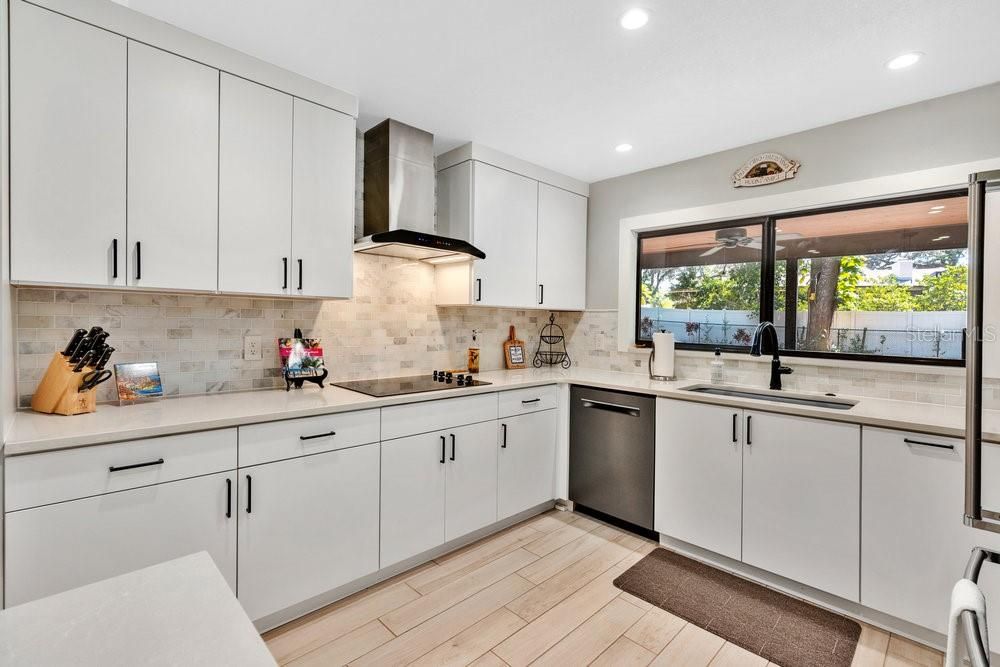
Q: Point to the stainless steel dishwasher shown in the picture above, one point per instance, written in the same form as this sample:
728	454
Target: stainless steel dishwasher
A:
611	451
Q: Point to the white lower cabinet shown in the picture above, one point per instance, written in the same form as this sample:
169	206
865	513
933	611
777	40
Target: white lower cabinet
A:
57	547
699	469
306	526
413	479
527	445
470	479
914	545
801	500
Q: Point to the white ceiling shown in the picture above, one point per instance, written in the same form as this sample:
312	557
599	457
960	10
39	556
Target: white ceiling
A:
559	83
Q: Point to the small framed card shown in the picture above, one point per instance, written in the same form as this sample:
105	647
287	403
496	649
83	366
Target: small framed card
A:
138	381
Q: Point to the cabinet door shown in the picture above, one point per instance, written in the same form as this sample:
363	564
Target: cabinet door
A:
471	479
307	525
527	445
255	188
562	248
801	500
413	493
505	217
698	480
54	548
914	546
173	168
67	130
323	175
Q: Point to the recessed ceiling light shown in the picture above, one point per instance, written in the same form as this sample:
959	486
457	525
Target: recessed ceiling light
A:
941	238
904	60
937	208
634	18
623	148
813	252
934	212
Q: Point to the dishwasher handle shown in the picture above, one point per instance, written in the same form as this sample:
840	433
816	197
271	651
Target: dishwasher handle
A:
611	407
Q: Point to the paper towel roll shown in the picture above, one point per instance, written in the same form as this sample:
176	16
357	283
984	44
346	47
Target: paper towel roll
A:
663	355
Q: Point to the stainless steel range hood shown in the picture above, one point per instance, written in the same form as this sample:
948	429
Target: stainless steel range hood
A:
399	198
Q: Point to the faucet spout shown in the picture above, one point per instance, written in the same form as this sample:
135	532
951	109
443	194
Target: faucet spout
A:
765	335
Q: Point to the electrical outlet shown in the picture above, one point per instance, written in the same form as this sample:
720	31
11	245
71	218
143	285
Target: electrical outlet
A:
251	348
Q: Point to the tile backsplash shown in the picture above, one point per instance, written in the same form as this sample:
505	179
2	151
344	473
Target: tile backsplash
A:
390	327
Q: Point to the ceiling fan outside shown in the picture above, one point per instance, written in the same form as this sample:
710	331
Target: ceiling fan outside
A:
737	237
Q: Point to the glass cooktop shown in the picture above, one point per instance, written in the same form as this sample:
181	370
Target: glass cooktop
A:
413	384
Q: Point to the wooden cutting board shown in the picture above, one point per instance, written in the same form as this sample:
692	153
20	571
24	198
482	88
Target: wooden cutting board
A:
514	354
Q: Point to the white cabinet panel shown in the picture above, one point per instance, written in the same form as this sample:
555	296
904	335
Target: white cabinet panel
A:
273	441
323	188
505	217
527	445
531	399
914	545
801	500
306	526
255	188
698	481
413	496
562	248
67	86
173	168
470	479
402	420
58	547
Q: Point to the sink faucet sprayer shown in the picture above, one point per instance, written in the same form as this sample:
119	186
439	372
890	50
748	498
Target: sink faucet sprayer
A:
766	330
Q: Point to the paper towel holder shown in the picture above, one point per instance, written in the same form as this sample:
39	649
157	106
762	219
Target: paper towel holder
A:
649	364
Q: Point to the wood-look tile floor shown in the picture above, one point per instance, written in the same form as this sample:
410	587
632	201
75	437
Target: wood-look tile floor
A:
537	593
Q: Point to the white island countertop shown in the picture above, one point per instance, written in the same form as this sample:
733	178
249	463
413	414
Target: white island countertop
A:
181	612
33	432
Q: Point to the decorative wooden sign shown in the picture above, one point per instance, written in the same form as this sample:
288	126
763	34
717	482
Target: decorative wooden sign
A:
764	169
513	351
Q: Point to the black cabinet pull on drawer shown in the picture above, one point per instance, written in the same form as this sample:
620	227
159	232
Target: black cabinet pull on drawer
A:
922	443
531	400
157	462
318	435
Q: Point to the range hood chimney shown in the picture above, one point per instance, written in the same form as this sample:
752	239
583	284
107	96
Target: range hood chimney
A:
399	198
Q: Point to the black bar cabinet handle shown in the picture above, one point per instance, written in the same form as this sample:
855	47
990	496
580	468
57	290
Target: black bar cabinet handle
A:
318	435
531	400
138	260
249	492
157	462
229	498
541	294
479	289
503	445
300	274
284	264
442	449
452	446
114	258
922	443
749	439
735	419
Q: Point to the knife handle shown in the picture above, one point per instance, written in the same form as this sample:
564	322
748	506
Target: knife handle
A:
84	360
81	348
73	342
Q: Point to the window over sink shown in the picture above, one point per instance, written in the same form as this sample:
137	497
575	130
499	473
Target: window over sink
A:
885	280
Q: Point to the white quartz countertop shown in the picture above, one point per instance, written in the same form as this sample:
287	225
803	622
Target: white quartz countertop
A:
33	432
181	612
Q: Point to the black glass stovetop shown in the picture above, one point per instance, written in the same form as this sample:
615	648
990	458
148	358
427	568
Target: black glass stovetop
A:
380	387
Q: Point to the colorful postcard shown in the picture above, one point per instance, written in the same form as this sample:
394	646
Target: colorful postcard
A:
301	357
138	380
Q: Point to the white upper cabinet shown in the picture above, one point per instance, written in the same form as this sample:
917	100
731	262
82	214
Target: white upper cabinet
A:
505	223
532	230
562	248
255	188
173	153
323	186
67	90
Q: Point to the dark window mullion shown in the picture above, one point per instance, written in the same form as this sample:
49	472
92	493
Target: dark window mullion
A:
767	270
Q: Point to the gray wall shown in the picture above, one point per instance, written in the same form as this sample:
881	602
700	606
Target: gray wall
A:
943	131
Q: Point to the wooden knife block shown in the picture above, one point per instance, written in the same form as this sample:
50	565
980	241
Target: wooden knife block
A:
59	391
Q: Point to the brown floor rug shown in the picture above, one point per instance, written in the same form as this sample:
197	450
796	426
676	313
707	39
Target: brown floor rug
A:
784	630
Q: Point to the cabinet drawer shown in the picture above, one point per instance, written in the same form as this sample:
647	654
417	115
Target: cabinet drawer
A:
402	420
532	399
50	477
275	441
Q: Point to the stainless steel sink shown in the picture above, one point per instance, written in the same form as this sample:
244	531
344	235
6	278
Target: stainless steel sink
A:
765	395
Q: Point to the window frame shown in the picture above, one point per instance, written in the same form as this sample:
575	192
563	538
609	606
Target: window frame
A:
769	224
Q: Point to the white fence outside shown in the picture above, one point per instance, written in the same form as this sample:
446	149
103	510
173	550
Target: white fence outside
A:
904	334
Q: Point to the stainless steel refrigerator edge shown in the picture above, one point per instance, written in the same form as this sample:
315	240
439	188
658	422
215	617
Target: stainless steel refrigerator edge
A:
611	450
981	187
